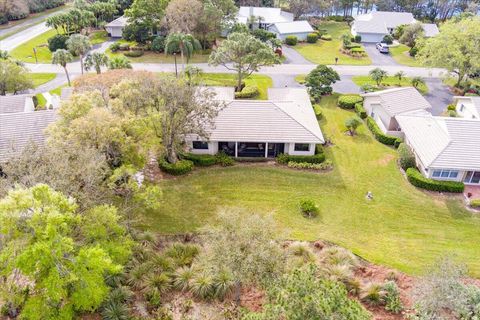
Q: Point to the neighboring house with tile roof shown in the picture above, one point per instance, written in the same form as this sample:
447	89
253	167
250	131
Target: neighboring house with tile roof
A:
445	148
383	106
115	28
373	26
467	107
299	29
285	123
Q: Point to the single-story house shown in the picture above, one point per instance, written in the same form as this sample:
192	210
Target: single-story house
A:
373	26
16	103
467	107
384	106
445	148
299	29
21	128
262	17
285	123
115	28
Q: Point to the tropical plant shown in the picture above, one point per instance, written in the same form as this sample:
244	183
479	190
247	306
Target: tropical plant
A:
392	297
378	75
373	294
120	62
192	73
417	81
183	278
352	124
96	60
399	75
78	45
309	208
63	57
185	43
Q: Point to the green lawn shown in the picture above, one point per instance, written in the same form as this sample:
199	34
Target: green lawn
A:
41	78
98	37
324	52
229	80
58	91
402	227
388	82
24	52
400	55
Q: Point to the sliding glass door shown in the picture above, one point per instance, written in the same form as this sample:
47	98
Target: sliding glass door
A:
472	177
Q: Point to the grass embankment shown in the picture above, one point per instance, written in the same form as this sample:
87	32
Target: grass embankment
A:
401	55
325	52
401	227
24	52
389	82
229	80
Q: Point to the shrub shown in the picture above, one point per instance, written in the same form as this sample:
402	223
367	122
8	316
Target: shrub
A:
58	41
352	46
263	35
310	166
291	40
352	124
133	54
183	278
326	37
452	113
312	38
475	203
286	158
451	107
318	111
406	157
368	88
378	134
373	294
224	160
357	50
360	110
388	39
247	93
178	168
417	179
158	44
348	101
358	38
308	208
114	47
202	286
124	47
201	160
319	81
413	51
392	297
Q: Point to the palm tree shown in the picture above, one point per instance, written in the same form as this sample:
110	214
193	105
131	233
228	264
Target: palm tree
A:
399	75
417	81
185	43
192	73
119	62
79	45
4	55
378	75
63	57
96	60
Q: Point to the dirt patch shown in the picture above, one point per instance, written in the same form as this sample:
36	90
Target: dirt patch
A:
252	299
386	160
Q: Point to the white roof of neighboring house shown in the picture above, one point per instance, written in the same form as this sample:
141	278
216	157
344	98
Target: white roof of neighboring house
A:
287	117
19	129
430	29
269	15
119	22
14	104
399	100
378	21
293	27
221	93
474	101
443	142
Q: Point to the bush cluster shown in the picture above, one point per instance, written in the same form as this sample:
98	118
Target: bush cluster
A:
308	208
158	44
114	47
291	40
360	110
418	180
133	53
349	101
388	39
379	135
201	160
286	158
58	41
326	37
176	169
247	92
406	157
310	166
475	203
224	159
312	38
318	111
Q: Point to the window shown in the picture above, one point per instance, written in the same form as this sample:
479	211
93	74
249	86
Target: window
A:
302	147
445	174
462	107
200	145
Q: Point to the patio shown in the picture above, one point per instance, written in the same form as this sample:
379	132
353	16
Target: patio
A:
473	191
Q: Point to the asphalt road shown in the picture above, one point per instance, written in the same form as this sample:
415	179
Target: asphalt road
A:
17	39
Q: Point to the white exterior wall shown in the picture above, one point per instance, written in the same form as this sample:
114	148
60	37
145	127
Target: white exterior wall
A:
300	36
469	111
381	117
115	32
212	148
29	105
371	37
290	149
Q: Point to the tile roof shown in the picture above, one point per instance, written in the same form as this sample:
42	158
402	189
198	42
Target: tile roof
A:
269	15
293	27
119	22
19	129
443	142
400	100
379	21
14	103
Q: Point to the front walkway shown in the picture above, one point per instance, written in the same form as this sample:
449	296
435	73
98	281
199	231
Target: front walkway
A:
474	191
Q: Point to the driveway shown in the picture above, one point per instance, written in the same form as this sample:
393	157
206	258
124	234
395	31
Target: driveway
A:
293	57
438	95
346	85
379	59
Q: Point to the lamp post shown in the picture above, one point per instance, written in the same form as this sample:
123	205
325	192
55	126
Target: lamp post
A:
176	70
35	54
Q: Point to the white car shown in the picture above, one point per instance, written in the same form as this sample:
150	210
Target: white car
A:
382	47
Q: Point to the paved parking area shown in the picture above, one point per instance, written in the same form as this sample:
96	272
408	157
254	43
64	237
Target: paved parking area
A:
379	59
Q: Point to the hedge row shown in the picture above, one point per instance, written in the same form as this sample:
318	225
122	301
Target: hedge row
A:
418	180
291	40
380	136
349	101
475	203
178	168
311	166
286	158
201	160
360	110
247	93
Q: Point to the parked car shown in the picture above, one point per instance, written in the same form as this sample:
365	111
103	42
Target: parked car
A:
382	47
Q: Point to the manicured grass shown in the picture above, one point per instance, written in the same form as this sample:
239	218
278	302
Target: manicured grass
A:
98	37
41	78
58	91
389	82
229	80
152	57
25	53
300	78
41	100
400	55
325	52
401	227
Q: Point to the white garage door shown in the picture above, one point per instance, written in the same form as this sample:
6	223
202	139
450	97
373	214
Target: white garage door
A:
372	37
